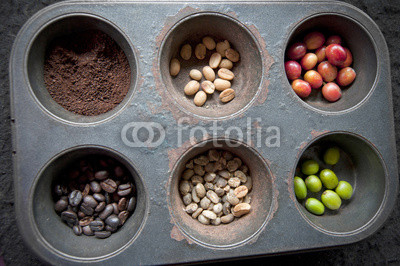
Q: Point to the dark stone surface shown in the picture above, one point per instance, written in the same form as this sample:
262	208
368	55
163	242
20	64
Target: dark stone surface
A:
381	248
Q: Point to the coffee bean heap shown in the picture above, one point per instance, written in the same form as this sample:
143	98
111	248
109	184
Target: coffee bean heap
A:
95	197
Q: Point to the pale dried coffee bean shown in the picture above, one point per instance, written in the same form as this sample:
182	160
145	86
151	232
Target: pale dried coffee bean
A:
241	191
184	187
210	168
189	165
227	155
174	67
239	162
209	43
232	199
210	207
221	84
196	179
217	208
191	208
209	73
224	199
226	219
226	74
227	95
213	155
208	87
195	198
226	208
187	199
199	170
220	165
197	213
219	191
239	174
202	219
221	47
215	59
208	185
234	182
213	196
209	214
201	160
216	221
192	87
187	174
221	182
249	183
241	209
200	51
200	98
209	177
195	74
186	52
200	190
227	188
205	203
247	199
226	63
232	166
232	55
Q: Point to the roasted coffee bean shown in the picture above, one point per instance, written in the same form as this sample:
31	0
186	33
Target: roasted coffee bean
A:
109	185
108	198
73	174
95	187
86	209
77	230
96	225
69	217
102	234
61	205
115	208
124	190
111	229
75	198
101	175
81	215
99	197
118	171
131	204
122	204
113	221
123	216
100	207
86	190
115	197
87	230
85	221
106	212
90	201
58	190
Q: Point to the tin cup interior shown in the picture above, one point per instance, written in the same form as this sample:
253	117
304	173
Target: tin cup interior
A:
57	235
358	40
240	230
67	25
362	166
248	71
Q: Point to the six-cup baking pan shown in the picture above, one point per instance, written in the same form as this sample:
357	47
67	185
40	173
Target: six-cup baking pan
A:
280	129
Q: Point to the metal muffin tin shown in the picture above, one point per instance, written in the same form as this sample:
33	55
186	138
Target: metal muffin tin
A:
46	137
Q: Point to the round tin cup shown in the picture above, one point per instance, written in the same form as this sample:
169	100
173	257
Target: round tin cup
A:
362	166
362	46
241	230
66	25
56	236
248	71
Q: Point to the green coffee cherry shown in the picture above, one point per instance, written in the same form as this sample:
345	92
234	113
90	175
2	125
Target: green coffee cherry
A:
331	200
313	183
315	206
300	188
310	167
328	178
344	190
332	156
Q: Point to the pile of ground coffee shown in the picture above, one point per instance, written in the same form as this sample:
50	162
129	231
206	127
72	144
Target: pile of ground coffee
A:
87	73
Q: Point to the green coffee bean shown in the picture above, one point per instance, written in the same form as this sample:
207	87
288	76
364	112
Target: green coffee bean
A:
300	188
344	190
328	178
315	206
313	183
310	167
331	200
332	156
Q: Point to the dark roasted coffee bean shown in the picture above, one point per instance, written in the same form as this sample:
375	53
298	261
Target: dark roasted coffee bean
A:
75	198
61	205
101	175
132	204
82	179
58	190
108	199
123	216
118	171
81	215
84	165
73	174
100	207
69	217
106	212
85	221
113	221
111	229
108	185
90	201
77	230
99	197
65	190
86	190
89	174
116	197
103	163
122	204
87	230
86	209
124	190
97	225
95	187
115	208
102	234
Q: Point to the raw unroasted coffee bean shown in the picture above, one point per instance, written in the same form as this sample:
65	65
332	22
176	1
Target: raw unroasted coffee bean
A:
232	55
200	98
195	198
208	87
200	51
101	175
187	199
226	219
213	155
209	43
217	208
200	190
241	209
192	87
174	67
234	182
232	199
75	198
213	196
226	63
109	185
249	183
208	185
209	73
201	160
227	95
226	74
216	221
196	179
222	47
215	60
209	214
242	177
205	203
202	219
232	165
199	170
241	191
225	174
186	52
221	84
191	208
209	177
195	74
187	174
221	182
219	191
226	208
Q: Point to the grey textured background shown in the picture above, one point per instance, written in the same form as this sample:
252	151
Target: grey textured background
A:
381	248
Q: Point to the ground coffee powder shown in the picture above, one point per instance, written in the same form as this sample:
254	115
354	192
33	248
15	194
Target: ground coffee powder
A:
87	73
